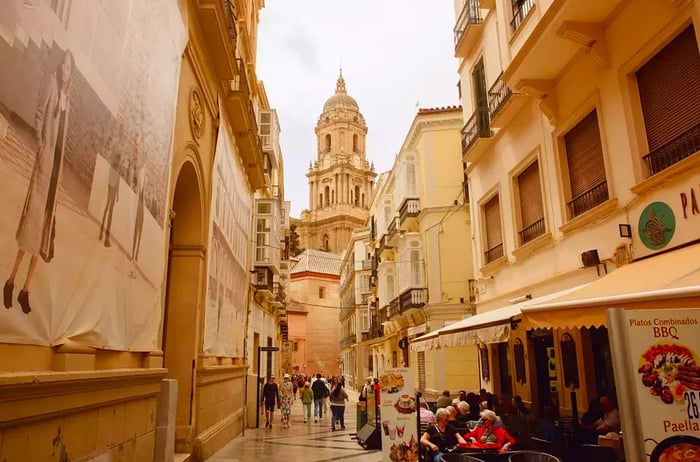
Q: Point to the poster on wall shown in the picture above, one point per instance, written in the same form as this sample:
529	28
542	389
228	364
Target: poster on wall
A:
662	360
87	108
398	416
227	281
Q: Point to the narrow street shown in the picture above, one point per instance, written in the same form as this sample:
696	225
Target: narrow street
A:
311	442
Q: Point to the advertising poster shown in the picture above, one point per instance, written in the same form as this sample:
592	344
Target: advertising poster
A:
398	416
227	283
88	92
663	365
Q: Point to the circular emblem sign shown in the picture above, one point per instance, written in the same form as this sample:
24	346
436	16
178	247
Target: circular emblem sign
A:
657	225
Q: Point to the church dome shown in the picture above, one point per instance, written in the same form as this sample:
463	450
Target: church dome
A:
341	99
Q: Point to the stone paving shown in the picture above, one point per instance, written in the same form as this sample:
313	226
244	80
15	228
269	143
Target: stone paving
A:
311	442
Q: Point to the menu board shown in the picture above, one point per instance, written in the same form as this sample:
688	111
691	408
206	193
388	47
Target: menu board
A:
398	416
657	353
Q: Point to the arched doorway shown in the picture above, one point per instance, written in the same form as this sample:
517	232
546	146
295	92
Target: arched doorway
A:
186	266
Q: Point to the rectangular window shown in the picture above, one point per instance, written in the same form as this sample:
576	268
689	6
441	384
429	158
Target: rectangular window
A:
521	8
321	292
669	92
296	346
584	158
494	234
370	364
531	208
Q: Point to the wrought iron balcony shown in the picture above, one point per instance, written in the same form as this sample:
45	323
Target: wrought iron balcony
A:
521	8
391	231
477	126
674	151
393	309
589	199
465	29
413	298
494	253
532	231
499	94
262	280
409	208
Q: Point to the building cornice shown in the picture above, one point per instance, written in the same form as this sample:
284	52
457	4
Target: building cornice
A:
422	123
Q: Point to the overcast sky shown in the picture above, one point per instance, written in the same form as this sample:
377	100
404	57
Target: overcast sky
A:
395	54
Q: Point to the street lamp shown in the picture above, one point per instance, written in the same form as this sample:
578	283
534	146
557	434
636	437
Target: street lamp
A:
257	400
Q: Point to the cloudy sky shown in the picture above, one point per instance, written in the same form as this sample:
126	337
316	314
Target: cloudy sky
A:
395	54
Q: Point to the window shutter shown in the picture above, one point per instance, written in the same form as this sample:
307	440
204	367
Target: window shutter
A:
531	208
584	155
669	90
492	217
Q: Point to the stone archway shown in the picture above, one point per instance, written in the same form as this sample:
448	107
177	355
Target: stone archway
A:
186	267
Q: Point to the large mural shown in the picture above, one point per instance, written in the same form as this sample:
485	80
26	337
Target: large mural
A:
227	284
87	108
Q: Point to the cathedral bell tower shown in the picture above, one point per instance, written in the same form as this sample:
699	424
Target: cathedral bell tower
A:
340	179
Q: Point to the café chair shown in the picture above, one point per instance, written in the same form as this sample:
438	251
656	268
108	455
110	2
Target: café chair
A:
459	458
548	447
532	456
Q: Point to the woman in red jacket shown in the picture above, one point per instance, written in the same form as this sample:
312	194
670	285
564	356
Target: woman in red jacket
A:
489	435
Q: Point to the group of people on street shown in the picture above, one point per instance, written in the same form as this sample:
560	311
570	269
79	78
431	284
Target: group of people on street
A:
316	391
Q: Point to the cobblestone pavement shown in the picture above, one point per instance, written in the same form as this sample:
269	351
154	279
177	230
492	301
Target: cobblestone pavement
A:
311	442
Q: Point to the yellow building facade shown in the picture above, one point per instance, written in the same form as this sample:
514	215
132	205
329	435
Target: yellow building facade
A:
419	218
574	150
157	158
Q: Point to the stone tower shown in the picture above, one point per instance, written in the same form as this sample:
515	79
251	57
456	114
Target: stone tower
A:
340	179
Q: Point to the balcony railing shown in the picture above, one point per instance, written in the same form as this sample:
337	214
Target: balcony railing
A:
409	208
532	231
469	16
589	199
393	309
262	279
494	253
413	298
499	94
366	264
521	8
674	151
391	230
476	127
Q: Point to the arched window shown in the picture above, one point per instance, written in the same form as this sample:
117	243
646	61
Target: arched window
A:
320	200
333	196
327	195
363	200
325	242
357	195
355	146
328	142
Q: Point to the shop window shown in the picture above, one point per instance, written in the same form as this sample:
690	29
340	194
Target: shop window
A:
588	185
568	360
519	356
531	207
669	93
494	234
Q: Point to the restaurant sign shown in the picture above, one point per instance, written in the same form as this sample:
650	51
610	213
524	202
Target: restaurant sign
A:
657	362
667	218
398	410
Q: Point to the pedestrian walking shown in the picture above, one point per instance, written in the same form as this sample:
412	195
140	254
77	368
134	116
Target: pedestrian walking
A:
271	395
287	398
307	399
320	392
338	396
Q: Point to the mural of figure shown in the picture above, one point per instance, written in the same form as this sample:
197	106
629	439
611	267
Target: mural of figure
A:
36	230
115	161
140	193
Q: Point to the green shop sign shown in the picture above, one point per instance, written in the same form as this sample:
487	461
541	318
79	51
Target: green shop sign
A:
657	224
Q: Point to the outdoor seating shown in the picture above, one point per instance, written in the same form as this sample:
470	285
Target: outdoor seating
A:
532	456
547	447
459	458
597	453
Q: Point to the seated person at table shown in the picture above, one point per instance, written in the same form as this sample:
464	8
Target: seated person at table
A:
444	400
426	415
610	422
440	436
585	433
519	406
463	414
453	415
490	435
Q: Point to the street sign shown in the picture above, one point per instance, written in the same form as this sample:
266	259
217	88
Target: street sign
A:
269	349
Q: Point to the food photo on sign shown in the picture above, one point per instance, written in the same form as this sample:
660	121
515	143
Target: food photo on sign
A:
663	363
399	432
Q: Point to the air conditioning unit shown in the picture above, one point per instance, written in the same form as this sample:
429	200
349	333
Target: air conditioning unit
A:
590	258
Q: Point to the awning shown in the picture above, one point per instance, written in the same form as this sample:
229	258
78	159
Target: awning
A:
492	326
670	280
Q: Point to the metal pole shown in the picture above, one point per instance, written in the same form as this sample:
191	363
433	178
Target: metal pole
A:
257	400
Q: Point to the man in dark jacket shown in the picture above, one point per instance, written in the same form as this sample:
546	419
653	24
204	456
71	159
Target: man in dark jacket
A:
271	395
320	391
